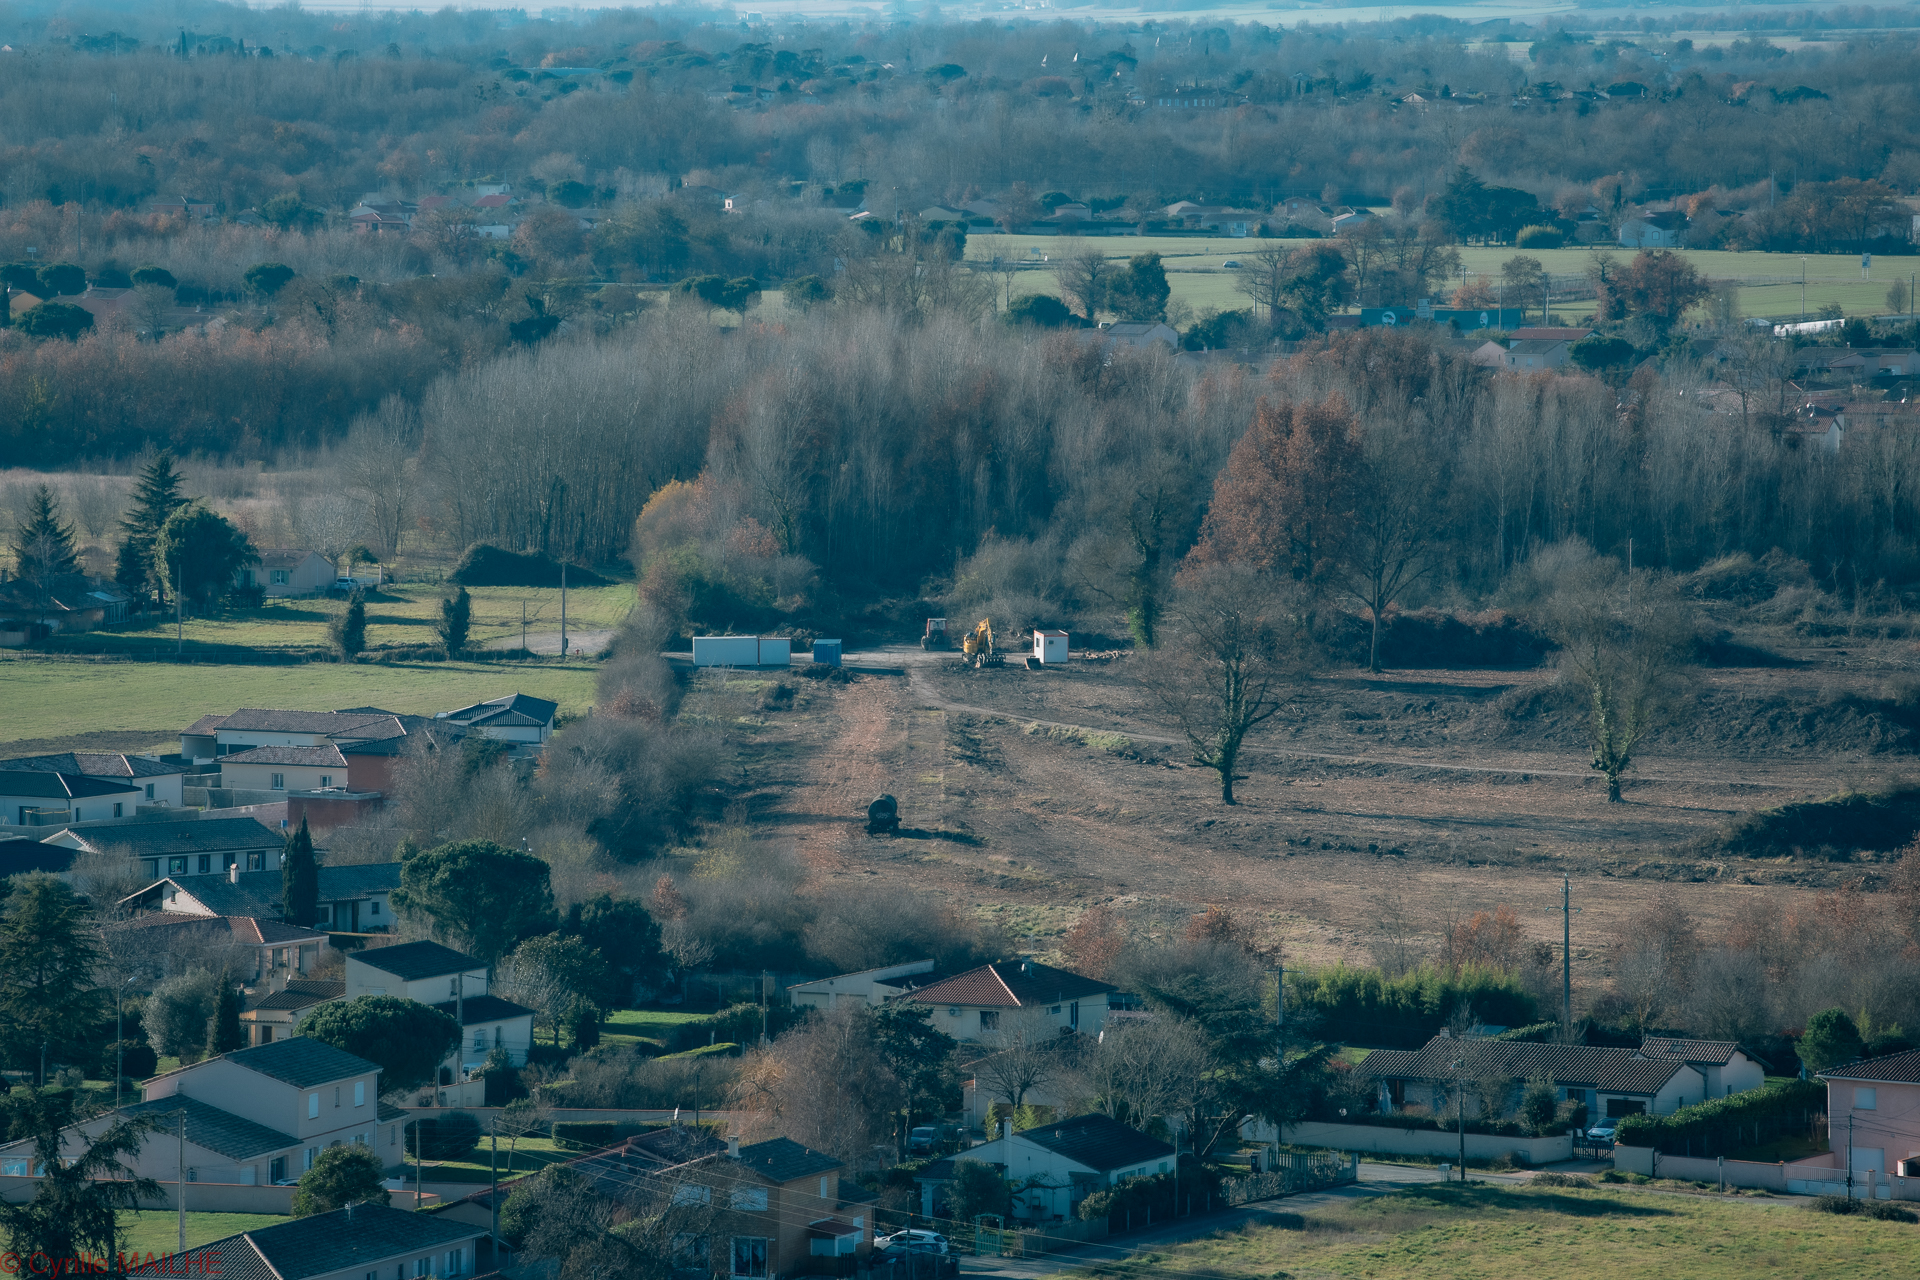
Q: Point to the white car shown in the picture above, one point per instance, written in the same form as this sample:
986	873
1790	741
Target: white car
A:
914	1240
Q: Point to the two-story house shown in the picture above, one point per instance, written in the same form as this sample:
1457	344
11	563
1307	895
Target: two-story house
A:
157	780
255	1116
777	1205
280	952
183	847
358	1242
972	1005
455	984
352	899
1873	1113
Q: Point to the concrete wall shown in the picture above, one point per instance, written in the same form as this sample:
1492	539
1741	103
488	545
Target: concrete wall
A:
1424	1142
1822	1175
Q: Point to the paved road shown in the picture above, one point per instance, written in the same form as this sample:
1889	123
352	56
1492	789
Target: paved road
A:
579	642
1375	1179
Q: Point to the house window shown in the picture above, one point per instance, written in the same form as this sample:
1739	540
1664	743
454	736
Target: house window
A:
326	780
1866	1099
306	1157
313	1106
277	781
692	1193
153	868
499	1036
1073	1014
226	862
750	1255
749	1198
691	1252
1617	1107
336	1095
205	863
323	914
278	578
823	1188
373	908
989	1020
359	1093
149	791
255	861
277	1170
116	811
422	1266
176	866
479	1039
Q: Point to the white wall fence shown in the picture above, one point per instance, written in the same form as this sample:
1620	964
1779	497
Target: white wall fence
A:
1381	1140
1823	1176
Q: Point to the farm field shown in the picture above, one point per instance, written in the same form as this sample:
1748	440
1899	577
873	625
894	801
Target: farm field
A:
1390	802
134	706
1494	1232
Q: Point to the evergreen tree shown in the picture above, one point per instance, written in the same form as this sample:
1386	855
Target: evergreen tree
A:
42	546
202	550
224	1033
156	495
299	879
47	959
456	619
350	628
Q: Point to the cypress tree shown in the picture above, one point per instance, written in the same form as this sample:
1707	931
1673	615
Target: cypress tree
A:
224	1032
456	620
350	629
299	879
156	495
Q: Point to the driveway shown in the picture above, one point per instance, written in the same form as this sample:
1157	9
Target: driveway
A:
548	642
1375	1180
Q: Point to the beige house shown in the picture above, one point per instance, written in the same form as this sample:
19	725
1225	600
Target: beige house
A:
871	987
288	571
285	769
277	1015
360	1242
973	1005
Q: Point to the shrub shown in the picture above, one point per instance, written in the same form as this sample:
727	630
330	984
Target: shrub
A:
1540	236
1364	1006
485	565
1836	1204
1856	820
449	1137
1041	309
1562	1180
1720	1125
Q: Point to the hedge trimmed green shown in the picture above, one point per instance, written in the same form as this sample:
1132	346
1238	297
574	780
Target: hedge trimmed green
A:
1363	1006
1723	1125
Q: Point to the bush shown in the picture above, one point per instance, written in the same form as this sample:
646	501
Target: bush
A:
1362	1006
1562	1180
587	1135
1153	1192
1539	236
484	565
1722	1125
449	1137
1882	821
1041	309
1428	639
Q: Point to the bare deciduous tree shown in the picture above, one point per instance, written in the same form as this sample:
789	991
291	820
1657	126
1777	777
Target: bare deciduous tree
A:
1024	1053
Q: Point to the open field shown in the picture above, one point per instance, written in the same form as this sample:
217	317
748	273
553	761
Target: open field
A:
158	1230
131	706
1197	277
1419	793
529	1156
1497	1232
397	615
629	1026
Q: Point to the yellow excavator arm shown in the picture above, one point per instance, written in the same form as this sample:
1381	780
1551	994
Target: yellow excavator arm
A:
979	640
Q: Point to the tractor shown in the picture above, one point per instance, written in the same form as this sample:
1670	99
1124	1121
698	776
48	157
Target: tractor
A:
935	636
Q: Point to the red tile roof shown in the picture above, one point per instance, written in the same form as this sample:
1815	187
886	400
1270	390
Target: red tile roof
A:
1009	985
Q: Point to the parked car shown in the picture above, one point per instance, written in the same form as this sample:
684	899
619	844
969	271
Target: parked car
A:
924	1139
1601	1133
914	1240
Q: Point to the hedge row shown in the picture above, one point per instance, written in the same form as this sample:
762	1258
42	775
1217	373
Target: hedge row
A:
738	1024
1153	1191
1360	1006
587	1135
1722	1125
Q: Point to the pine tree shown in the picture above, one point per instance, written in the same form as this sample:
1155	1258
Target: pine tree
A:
42	546
299	879
224	1032
156	495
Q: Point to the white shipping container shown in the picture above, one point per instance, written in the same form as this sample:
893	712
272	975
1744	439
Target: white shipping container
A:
1050	646
776	651
726	651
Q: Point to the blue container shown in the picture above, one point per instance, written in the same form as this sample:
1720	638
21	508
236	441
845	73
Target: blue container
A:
827	652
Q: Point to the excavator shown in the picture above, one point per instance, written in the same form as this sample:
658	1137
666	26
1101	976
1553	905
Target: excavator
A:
978	645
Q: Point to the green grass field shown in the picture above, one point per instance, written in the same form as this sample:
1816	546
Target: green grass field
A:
1198	278
158	1230
529	1156
145	705
1490	1232
396	615
629	1026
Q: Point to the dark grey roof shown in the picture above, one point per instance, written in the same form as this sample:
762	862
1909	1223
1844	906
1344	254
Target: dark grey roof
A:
302	993
287	557
267	720
95	764
1717	1053
387	1111
249	931
362	1238
1894	1068
218	1131
512	708
192	835
257	893
783	1159
411	961
476	1009
1586	1066
1098	1142
325	754
38	783
302	1062
1388	1063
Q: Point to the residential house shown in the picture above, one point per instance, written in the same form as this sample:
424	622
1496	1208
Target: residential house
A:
1863	363
1138	335
279	951
183	846
1538	353
1727	1067
1059	1164
870	987
1611	1082
357	1242
277	1015
1664	230
1546	333
32	798
256	1116
353	899
1351	220
289	571
514	717
972	1005
215	737
159	780
392	217
455	984
19	856
318	768
783	1206
1873	1111
1490	355
940	213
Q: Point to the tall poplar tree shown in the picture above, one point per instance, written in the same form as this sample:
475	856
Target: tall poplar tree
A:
299	878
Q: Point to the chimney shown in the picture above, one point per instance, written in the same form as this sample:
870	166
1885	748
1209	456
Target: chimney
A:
349	1211
1006	1129
233	874
733	1147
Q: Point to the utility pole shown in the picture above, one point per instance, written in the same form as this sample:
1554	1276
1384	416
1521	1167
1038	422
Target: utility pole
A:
493	1200
1803	288
1460	1117
563	608
1566	955
1849	1157
180	613
416	1169
181	1186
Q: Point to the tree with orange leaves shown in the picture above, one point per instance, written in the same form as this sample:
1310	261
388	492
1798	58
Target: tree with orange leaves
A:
1284	501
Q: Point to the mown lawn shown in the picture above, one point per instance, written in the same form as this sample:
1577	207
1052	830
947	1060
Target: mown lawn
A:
401	614
1496	1232
528	1156
629	1026
45	700
157	1230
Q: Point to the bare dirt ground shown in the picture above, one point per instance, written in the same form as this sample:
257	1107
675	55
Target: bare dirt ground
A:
1422	793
